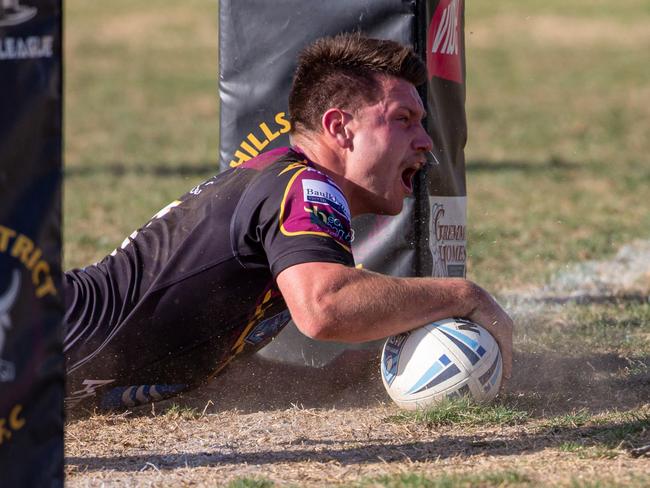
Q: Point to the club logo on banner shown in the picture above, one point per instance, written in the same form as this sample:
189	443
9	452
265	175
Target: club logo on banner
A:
447	239
7	299
443	42
30	47
12	13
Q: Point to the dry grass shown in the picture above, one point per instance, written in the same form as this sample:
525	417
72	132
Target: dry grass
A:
328	446
560	31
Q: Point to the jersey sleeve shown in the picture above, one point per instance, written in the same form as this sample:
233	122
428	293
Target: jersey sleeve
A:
298	215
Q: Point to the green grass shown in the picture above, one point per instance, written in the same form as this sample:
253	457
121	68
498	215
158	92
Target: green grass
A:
557	156
599	436
176	411
462	411
621	328
410	480
569	420
141	115
250	483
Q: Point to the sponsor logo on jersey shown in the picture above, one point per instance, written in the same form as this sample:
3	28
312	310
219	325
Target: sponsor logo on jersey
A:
315	207
317	191
444	42
7	301
328	221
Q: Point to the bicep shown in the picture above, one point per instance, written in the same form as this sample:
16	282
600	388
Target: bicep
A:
307	288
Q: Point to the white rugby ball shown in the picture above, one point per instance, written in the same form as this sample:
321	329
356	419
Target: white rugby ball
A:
445	359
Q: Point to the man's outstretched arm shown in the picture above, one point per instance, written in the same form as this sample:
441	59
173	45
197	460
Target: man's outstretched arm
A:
333	302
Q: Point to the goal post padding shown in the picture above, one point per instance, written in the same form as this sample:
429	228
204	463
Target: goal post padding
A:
31	360
258	45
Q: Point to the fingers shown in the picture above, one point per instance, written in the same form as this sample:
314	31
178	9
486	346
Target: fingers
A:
505	328
497	322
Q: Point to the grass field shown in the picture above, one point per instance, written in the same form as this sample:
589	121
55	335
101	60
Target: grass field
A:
558	104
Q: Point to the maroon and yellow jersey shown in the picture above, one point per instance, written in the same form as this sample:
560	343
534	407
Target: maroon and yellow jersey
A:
195	286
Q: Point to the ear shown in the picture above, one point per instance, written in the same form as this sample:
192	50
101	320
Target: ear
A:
335	125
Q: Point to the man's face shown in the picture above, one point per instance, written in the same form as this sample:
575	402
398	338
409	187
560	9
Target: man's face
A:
388	146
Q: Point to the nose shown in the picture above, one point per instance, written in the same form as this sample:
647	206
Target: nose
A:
422	142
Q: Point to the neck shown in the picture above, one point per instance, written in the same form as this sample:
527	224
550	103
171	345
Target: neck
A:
329	158
324	158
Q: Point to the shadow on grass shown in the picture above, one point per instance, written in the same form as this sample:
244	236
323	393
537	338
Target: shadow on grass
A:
155	169
116	168
487	166
377	451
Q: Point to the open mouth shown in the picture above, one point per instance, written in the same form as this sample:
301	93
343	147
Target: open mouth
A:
407	178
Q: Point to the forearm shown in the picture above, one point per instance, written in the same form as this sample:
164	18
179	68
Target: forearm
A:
332	302
361	306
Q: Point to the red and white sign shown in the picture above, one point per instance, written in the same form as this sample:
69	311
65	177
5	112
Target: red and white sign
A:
444	42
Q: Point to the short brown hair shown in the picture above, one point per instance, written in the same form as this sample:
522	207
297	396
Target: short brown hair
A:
342	71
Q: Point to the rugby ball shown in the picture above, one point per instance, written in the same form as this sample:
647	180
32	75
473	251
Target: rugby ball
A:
445	359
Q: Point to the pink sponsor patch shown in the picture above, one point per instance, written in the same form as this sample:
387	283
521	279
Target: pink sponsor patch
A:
313	204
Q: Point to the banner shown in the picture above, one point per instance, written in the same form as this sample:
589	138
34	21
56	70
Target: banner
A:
447	126
31	360
259	45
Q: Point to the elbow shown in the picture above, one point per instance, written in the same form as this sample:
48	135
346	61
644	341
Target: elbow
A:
316	322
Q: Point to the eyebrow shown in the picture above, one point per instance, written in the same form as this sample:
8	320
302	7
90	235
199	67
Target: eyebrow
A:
412	112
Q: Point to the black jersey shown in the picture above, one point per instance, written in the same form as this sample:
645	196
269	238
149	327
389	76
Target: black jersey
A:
195	286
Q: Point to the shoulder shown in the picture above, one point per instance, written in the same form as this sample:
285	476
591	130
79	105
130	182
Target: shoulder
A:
313	204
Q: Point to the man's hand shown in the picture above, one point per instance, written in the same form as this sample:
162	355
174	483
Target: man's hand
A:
497	322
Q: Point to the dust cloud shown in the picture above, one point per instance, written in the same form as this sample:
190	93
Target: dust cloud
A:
554	381
544	381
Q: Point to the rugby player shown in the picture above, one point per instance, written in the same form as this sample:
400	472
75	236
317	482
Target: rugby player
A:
219	272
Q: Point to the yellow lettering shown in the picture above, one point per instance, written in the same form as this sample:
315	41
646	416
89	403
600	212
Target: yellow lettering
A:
34	259
5	235
4	432
267	132
22	248
242	158
46	288
282	122
258	145
247	146
41	267
15	422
